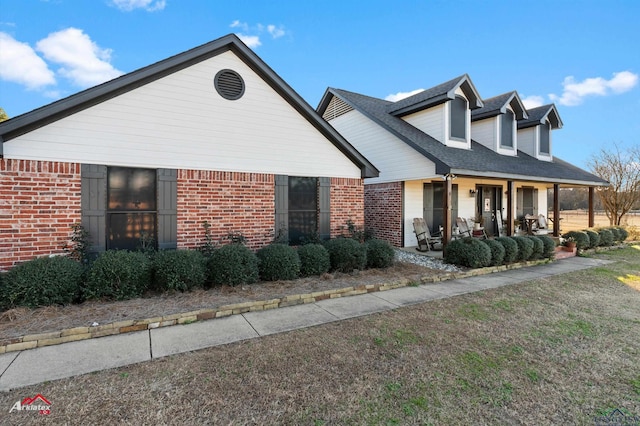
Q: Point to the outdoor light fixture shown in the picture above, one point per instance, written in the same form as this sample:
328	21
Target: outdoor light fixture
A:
472	193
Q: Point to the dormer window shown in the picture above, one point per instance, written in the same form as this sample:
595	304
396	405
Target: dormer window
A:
506	138
458	112
545	135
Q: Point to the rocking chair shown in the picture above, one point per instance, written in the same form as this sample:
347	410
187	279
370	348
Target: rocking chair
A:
426	241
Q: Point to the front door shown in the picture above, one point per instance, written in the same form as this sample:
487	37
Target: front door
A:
489	206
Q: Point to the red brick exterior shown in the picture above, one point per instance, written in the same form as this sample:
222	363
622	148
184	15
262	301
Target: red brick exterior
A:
347	204
231	202
383	211
39	201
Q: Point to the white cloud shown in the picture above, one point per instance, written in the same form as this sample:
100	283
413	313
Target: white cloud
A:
250	35
533	101
395	97
276	32
148	5
575	92
20	64
251	41
82	61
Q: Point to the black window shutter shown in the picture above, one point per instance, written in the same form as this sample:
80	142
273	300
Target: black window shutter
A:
282	205
167	209
93	204
324	208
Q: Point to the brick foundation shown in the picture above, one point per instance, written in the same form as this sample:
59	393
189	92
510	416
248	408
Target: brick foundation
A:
383	211
231	202
39	201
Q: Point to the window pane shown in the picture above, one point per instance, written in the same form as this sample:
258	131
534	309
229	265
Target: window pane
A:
459	118
131	189
126	229
544	139
303	207
507	130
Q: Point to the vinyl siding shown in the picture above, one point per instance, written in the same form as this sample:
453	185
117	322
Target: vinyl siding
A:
431	121
485	132
180	122
396	160
413	207
527	140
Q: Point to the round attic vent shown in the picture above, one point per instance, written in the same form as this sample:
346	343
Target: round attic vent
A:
229	84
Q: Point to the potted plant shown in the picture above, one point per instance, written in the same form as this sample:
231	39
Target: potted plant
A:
569	243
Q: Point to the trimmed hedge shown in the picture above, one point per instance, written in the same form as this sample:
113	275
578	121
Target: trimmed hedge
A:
314	260
623	234
346	254
606	237
380	254
616	233
538	247
497	252
41	282
549	246
470	252
181	270
525	247
233	264
278	262
510	249
581	239
594	238
119	275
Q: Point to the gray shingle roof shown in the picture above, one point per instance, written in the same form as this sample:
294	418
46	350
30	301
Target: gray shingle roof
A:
478	161
498	104
437	95
538	114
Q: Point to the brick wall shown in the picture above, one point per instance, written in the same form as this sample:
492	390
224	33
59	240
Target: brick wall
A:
383	211
347	204
231	202
39	201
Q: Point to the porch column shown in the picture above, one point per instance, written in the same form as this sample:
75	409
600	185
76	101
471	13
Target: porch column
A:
510	206
446	209
556	210
592	221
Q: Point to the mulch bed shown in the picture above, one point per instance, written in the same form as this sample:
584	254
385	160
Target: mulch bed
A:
22	321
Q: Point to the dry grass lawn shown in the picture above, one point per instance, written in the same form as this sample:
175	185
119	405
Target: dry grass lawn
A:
561	350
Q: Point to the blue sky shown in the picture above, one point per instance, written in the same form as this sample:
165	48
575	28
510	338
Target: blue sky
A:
582	55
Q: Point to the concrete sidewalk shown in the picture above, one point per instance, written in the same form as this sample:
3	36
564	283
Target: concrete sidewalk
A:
18	369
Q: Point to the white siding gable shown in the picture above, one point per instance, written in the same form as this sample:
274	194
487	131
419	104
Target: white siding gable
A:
529	143
485	132
180	121
396	160
431	121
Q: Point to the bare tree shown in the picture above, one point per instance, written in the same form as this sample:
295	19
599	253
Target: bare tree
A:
622	170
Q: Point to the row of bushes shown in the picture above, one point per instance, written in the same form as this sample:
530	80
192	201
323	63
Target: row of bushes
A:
120	275
601	237
477	253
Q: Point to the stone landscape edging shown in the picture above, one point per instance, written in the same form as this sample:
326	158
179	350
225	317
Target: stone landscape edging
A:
32	341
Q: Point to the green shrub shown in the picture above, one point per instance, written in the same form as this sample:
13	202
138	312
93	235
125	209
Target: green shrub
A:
181	270
538	248
581	239
470	252
606	237
346	254
497	252
278	262
548	246
525	248
510	249
380	254
623	234
41	282
314	260
594	238
616	233
119	275
233	264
